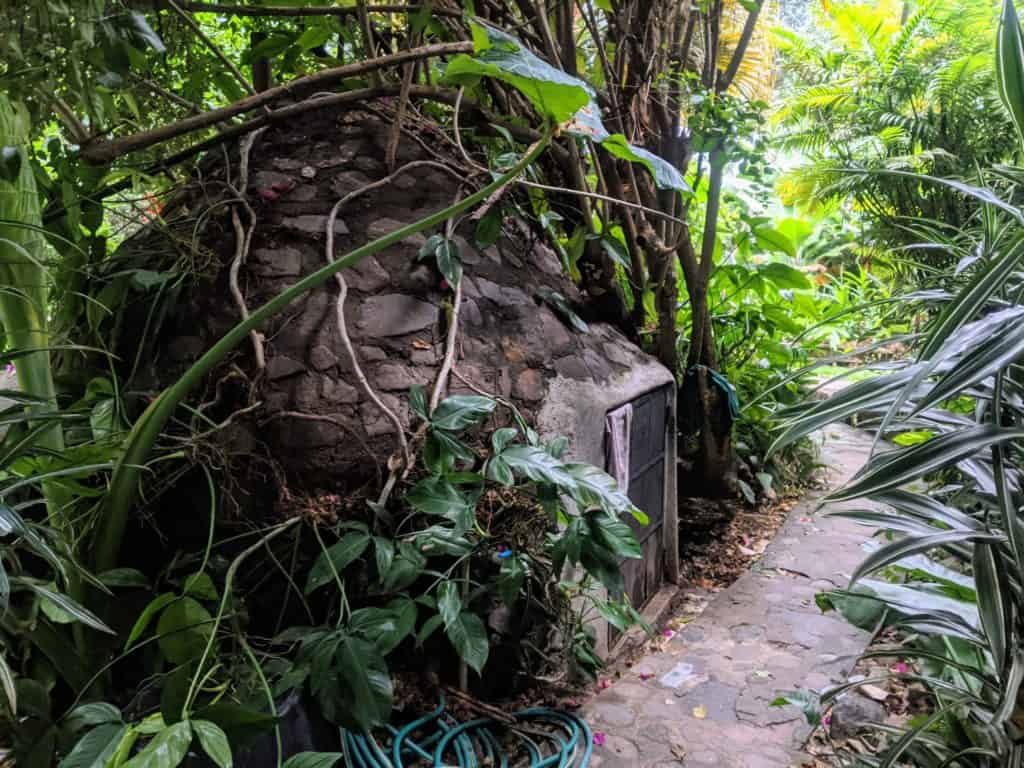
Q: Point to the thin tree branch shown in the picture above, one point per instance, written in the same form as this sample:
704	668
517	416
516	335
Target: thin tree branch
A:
171	97
103	151
415	36
270	10
214	49
741	48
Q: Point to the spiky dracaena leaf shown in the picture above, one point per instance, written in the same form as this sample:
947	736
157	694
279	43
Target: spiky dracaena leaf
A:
22	274
1010	65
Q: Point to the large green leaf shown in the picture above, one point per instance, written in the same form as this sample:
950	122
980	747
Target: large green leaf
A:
166	750
469	637
1010	65
971	301
436	496
994	605
455	413
69	606
96	747
774	241
384	627
538	465
449	603
554	94
914	545
557	96
902	466
595	488
665	176
214	742
336	558
926	509
154	607
313	760
184	629
785	276
614	535
365	685
978	358
848	402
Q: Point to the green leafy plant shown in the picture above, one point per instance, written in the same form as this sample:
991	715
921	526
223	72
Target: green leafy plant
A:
951	564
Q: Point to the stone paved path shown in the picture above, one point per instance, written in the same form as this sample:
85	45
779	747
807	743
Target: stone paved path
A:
706	698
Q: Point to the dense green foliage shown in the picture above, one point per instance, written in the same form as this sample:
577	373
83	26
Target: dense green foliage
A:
664	211
946	498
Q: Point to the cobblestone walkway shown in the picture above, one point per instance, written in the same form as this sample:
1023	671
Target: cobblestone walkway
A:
705	700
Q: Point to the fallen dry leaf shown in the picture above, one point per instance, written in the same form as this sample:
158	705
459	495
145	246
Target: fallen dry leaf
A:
700	712
874	692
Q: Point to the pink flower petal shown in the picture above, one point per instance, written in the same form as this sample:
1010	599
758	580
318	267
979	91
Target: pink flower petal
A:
669	633
604	684
900	668
598	738
646	675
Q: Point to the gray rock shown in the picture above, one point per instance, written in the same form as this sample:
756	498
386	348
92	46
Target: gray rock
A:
348	181
405	181
367	276
515	297
395	314
264	179
466	251
322	358
853	713
545	260
617	354
339	392
375	422
489	290
286	164
281	367
599	368
471	313
395	376
383	226
555	338
343	156
276	262
423	356
529	385
306	392
302	194
313	225
572	367
372	354
368	164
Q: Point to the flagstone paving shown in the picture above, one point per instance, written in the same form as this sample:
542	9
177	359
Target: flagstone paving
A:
705	698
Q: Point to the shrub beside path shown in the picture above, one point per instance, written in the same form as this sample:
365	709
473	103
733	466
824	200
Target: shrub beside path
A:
705	698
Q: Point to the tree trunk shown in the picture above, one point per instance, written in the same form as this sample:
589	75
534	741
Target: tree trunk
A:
707	416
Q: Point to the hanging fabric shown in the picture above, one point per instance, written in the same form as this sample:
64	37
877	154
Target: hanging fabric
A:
618	428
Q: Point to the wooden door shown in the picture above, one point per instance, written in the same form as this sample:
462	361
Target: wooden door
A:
644	577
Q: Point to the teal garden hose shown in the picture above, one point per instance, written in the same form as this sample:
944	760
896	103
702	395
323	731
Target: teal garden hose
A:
551	739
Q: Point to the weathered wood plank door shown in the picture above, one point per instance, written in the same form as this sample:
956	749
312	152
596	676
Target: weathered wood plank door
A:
647	462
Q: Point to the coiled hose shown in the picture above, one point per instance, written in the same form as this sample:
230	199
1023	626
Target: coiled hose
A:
551	739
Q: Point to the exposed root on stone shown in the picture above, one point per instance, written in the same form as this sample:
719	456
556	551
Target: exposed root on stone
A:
441	384
243	240
346	340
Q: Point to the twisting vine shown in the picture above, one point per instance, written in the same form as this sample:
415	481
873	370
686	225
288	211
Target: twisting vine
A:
147	429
